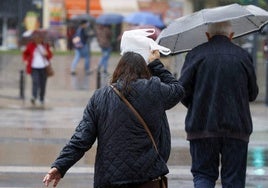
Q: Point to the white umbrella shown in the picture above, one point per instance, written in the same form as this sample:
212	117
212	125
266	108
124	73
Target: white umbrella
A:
185	33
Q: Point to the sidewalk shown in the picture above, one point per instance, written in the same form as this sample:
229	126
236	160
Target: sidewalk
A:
32	137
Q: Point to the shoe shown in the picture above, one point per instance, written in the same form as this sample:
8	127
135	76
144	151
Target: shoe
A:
33	101
73	73
42	104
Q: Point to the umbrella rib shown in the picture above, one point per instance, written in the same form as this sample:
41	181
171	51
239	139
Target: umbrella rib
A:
252	22
177	38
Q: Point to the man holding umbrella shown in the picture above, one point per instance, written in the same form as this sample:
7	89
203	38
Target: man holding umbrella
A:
220	82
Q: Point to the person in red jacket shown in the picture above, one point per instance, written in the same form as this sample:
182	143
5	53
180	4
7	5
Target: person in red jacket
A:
36	57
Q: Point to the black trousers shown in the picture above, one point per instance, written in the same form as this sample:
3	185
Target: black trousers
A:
208	154
39	80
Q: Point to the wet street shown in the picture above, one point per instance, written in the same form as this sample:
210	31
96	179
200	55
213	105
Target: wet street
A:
31	137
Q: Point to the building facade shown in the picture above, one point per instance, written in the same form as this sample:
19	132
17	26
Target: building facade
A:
12	20
19	16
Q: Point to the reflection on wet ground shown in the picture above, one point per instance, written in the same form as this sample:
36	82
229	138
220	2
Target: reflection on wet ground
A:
257	158
30	137
80	82
34	136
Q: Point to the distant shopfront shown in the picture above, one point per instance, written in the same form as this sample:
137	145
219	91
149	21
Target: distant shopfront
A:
13	20
18	16
8	30
97	7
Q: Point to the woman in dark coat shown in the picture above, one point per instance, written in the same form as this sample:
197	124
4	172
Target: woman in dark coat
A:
125	154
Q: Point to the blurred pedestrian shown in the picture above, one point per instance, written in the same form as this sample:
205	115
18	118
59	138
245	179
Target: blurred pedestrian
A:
265	55
265	50
126	155
70	34
220	81
81	42
37	56
104	36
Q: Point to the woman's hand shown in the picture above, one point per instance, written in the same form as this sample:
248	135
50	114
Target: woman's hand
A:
53	174
154	55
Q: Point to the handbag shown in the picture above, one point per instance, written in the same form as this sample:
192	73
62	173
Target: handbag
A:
164	180
49	70
77	42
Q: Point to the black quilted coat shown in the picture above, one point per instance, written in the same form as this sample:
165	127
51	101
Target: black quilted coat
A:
125	153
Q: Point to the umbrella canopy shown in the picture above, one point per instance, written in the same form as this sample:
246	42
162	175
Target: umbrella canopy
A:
109	19
47	34
144	18
185	33
81	17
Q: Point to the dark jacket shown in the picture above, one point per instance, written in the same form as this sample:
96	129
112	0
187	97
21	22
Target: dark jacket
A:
220	81
125	153
82	33
104	35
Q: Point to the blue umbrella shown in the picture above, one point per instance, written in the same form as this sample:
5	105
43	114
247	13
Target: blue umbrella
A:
144	18
109	19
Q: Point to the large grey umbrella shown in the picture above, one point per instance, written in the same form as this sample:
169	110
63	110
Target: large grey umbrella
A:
185	33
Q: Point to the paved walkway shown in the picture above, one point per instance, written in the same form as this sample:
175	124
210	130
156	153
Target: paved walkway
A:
31	137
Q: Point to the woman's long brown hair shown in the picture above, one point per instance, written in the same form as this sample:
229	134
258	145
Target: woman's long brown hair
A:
130	67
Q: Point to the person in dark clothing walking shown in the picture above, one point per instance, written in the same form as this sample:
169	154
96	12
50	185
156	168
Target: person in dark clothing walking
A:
126	156
104	36
221	82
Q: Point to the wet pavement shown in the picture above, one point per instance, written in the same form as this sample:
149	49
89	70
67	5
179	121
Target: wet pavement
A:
31	137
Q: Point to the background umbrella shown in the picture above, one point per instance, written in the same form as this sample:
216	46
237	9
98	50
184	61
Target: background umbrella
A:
46	34
74	22
87	17
187	32
109	19
144	18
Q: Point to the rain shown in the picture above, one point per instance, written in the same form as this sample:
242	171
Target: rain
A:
32	136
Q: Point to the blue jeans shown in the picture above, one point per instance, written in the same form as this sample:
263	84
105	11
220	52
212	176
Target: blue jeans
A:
209	154
106	52
81	53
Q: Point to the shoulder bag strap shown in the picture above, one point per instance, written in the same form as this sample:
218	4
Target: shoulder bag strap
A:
43	57
137	115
